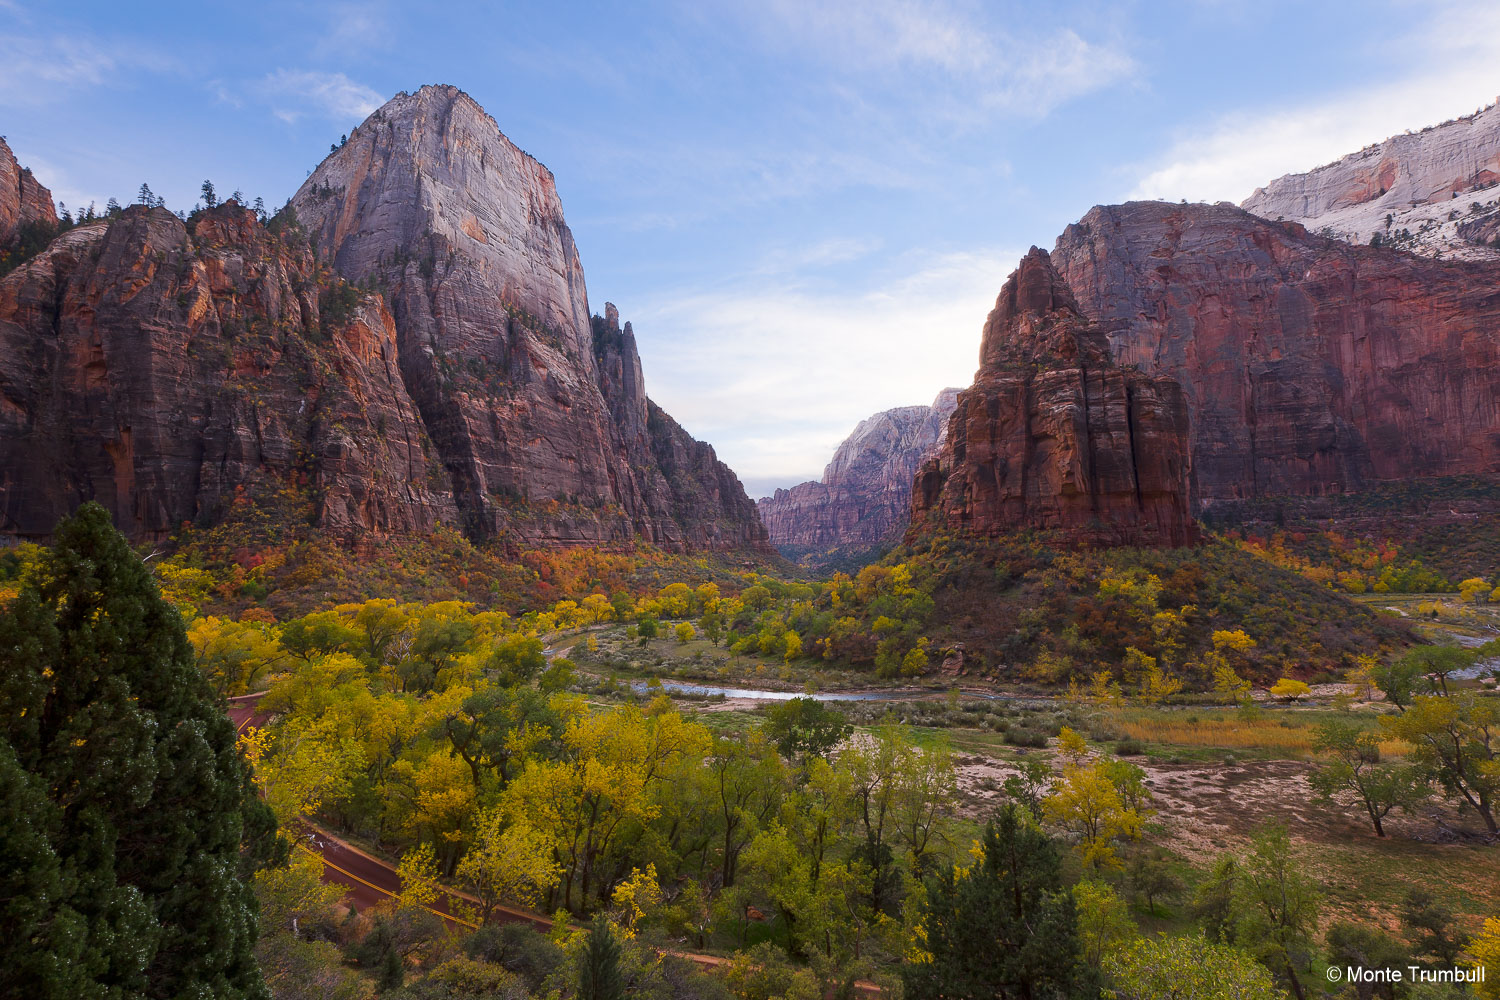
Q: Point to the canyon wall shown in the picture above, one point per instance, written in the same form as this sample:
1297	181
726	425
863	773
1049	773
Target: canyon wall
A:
1309	366
1054	435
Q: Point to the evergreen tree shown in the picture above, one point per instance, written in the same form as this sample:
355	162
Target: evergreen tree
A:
126	798
1005	928
210	198
145	196
599	970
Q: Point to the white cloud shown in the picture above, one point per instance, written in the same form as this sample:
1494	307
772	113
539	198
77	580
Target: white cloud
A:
776	374
992	68
1452	72
294	93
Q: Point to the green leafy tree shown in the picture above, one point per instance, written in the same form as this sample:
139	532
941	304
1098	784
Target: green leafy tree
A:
1429	926
1006	927
1276	907
1353	765
805	727
1184	968
136	799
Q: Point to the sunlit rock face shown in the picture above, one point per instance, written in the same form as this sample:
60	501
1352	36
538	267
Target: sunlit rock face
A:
466	233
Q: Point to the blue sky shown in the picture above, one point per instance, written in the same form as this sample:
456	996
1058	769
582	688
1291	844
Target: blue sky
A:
806	209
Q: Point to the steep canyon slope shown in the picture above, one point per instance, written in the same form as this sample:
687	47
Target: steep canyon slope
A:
1310	366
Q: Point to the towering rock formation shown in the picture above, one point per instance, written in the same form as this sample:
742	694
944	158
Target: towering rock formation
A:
864	497
466	233
690	496
1423	191
1054	435
1309	366
161	372
22	199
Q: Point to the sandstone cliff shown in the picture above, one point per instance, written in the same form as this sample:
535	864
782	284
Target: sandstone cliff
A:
22	200
1054	435
864	497
1309	366
1419	190
166	372
465	233
161	372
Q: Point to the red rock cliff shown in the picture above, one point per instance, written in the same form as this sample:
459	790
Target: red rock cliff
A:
1309	366
1054	435
22	199
159	371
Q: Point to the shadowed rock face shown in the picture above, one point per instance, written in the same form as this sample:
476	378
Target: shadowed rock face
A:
1054	435
496	347
162	372
1309	366
864	497
22	199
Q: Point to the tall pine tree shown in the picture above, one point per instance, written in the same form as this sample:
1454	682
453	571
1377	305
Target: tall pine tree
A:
599	965
1005	928
126	802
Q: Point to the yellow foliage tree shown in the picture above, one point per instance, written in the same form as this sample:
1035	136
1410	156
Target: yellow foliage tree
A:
1290	689
1087	802
507	862
1484	950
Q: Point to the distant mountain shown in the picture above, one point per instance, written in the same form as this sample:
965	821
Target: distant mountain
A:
410	343
864	497
1435	192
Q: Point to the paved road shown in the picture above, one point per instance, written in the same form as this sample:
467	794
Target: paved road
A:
367	880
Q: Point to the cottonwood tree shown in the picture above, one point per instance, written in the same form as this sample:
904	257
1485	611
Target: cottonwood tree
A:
1353	765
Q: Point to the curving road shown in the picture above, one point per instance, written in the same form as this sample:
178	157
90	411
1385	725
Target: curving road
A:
367	880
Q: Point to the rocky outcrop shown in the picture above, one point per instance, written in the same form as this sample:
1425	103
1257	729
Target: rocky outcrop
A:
465	233
167	372
691	497
1416	191
23	201
164	373
1054	435
1309	366
864	497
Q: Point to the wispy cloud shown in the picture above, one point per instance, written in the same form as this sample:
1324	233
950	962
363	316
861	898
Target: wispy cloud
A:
990	67
42	69
838	356
295	93
1449	72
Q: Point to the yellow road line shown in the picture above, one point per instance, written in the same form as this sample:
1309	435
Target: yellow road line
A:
387	892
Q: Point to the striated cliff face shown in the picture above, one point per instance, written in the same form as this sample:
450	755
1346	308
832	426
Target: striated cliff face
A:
1309	366
160	371
465	233
166	372
690	497
864	497
22	199
1417	190
1054	435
